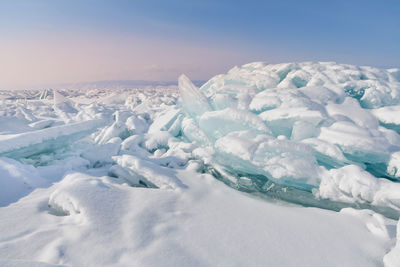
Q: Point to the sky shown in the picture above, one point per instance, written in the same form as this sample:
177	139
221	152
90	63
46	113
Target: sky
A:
46	42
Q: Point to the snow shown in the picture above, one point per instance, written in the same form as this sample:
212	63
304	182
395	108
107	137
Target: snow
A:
291	164
205	224
392	259
17	180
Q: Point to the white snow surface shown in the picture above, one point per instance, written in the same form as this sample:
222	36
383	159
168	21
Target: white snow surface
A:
291	164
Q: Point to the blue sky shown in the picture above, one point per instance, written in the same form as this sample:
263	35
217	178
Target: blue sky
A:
49	41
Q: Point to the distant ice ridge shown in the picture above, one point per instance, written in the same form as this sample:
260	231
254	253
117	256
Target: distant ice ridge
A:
323	127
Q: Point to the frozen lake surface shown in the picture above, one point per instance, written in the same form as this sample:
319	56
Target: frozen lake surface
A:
294	164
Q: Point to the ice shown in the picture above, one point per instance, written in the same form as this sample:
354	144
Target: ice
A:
395	72
41	124
389	116
303	129
223	101
55	171
103	153
117	129
149	172
217	124
285	122
192	131
361	144
157	140
351	110
393	167
349	183
136	124
194	102
169	176
132	143
276	159
63	107
32	142
13	125
44	94
326	153
282	120
330	113
164	121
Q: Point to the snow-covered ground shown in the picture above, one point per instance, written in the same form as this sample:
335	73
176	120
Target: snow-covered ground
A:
292	164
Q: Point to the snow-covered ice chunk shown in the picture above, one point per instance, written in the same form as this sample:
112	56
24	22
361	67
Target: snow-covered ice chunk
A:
41	124
149	172
17	180
62	104
351	110
388	115
157	140
192	132
164	121
136	124
284	161
348	184
393	167
101	154
353	184
132	143
11	142
362	144
326	152
395	72
117	129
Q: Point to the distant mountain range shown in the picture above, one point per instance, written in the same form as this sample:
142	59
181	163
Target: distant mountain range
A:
106	84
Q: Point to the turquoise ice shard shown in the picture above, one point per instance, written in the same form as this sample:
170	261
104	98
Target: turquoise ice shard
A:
193	101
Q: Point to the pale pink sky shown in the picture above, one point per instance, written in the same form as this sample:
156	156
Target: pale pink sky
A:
74	58
46	41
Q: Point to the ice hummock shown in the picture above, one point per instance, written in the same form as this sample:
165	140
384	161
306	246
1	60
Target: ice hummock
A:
301	125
